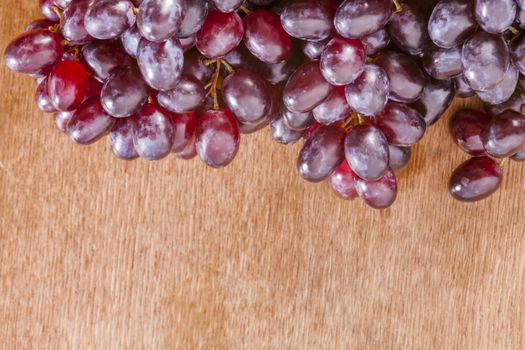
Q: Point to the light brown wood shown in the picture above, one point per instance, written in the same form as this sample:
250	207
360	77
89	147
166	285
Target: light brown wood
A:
97	253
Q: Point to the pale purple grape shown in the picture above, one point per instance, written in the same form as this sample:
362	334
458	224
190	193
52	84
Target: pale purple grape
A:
495	16
314	49
516	103
72	24
358	18
375	42
335	108
89	123
504	90
505	134
517	51
188	95
366	151
159	20
227	5
108	19
130	40
442	63
452	22
485	59
436	98
399	156
379	194
153	132
124	93
401	124
463	89
121	139
368	94
196	12
282	133
308	20
321	154
161	63
62	120
34	52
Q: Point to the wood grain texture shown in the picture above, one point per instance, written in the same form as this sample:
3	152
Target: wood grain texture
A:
97	253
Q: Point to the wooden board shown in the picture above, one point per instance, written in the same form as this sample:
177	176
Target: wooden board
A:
97	253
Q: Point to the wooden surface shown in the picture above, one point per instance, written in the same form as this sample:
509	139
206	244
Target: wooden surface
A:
97	253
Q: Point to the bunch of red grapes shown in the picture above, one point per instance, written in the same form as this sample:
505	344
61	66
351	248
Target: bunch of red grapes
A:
358	80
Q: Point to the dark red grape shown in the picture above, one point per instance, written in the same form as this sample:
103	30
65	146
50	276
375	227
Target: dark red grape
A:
220	34
466	127
68	84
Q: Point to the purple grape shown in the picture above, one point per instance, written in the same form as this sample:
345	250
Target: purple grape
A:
321	154
452	22
505	134
333	109
476	179
368	94
159	20
308	20
401	124
436	98
466	128
124	93
188	95
379	194
121	139
358	18
485	60
153	132
89	123
366	151
107	19
161	63
306	88
495	16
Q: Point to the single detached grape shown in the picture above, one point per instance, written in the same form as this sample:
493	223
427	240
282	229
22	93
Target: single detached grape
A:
476	179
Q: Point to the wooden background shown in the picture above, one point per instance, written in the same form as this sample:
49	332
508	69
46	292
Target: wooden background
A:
97	253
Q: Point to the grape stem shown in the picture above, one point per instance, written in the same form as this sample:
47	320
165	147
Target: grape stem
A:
58	12
215	83
397	4
245	10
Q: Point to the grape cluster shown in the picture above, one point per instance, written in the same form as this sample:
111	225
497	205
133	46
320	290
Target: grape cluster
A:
359	81
480	45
